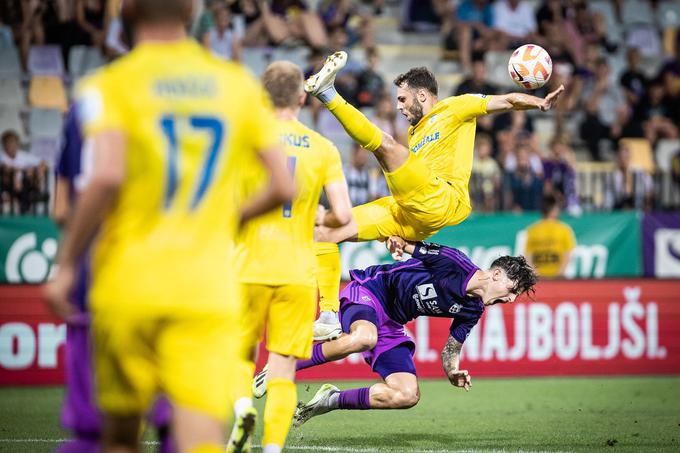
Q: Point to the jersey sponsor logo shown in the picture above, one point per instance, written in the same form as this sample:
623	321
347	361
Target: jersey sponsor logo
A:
427	139
455	308
426	291
429	249
297	141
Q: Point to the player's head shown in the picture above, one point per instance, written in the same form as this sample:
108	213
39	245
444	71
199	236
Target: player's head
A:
416	93
510	276
283	81
155	12
550	208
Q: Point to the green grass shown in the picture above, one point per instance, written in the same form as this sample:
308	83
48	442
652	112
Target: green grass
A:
565	414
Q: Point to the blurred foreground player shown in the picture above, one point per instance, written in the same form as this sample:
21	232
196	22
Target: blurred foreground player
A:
437	281
278	267
79	413
428	179
171	128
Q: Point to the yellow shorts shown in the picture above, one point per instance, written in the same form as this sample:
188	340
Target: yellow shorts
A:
288	312
191	359
421	204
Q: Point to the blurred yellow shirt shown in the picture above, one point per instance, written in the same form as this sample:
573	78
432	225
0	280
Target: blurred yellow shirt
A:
445	137
549	243
191	122
278	248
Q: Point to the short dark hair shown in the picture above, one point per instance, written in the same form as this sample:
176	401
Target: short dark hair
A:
9	134
155	11
417	78
549	203
519	271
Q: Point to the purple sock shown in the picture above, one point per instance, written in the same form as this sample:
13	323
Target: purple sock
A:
354	399
317	358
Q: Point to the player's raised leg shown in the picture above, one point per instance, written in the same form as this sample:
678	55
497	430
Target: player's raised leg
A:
389	153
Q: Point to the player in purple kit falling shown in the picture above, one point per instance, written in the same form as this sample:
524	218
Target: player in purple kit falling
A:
437	281
79	412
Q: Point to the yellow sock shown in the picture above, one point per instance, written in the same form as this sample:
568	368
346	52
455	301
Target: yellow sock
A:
328	275
279	410
355	123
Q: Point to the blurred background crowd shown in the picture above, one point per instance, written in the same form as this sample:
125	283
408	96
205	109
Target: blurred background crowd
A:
612	143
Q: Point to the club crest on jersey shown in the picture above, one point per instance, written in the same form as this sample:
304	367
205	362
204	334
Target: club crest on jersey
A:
455	308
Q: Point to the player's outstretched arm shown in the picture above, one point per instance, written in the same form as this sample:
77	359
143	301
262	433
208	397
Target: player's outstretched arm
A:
398	246
280	189
450	359
522	101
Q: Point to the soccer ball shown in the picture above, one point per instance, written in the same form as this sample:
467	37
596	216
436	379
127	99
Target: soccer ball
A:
530	66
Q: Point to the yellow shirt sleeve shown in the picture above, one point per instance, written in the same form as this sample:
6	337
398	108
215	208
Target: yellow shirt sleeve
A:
99	107
333	165
468	106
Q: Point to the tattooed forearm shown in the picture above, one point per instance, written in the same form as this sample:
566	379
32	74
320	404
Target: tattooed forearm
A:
451	355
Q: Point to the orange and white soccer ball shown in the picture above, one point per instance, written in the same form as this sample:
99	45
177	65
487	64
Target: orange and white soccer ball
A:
530	66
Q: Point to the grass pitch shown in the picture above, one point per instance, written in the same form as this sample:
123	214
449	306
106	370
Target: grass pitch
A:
565	414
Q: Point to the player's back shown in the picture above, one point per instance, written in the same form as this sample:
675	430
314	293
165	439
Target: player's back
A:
444	137
548	241
190	122
278	248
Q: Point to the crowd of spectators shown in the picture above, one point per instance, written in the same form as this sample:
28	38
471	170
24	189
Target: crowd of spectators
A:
623	85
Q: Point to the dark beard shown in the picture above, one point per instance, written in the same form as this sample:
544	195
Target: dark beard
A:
416	112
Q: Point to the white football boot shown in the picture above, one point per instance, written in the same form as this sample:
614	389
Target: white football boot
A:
325	78
318	405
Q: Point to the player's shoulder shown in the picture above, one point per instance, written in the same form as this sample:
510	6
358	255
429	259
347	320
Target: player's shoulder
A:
464	98
318	140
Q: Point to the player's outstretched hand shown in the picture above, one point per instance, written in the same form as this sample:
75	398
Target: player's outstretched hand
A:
396	245
551	99
57	292
461	378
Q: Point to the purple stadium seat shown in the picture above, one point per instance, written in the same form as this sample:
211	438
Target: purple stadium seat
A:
46	149
45	60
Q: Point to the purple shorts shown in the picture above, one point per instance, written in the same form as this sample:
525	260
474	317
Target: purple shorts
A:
390	333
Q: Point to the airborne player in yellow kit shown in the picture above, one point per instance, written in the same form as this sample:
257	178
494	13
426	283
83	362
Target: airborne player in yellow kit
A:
429	179
278	264
172	129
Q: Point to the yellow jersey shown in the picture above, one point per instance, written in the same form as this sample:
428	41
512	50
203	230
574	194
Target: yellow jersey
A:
191	123
445	137
278	248
548	245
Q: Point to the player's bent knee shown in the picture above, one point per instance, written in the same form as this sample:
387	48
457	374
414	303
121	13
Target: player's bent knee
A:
364	341
406	398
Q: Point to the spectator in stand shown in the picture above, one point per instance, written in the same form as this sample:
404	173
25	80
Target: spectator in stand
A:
386	119
425	15
605	109
628	187
370	84
524	187
555	24
221	38
634	84
24	176
514	23
550	242
354	18
288	20
659	110
486	175
362	180
90	15
560	176
477	83
470	31
206	20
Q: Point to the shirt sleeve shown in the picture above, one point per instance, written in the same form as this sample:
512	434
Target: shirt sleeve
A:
334	171
468	106
99	106
71	143
460	328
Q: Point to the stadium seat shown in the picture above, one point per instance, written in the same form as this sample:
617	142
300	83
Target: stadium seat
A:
45	61
306	117
665	150
637	12
45	123
10	120
47	92
640	153
497	68
46	149
83	59
11	92
297	55
256	59
9	62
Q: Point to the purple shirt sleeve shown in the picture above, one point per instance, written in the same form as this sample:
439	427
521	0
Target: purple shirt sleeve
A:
461	327
452	260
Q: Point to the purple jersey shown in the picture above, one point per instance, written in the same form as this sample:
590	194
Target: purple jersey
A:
432	283
70	168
